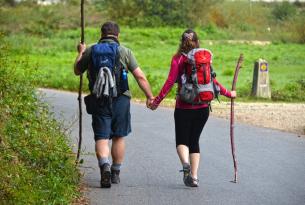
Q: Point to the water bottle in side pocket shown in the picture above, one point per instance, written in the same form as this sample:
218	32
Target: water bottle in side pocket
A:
124	79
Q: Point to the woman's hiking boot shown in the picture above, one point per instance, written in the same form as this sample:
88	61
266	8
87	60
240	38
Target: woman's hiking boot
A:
192	182
115	176
187	176
186	173
105	176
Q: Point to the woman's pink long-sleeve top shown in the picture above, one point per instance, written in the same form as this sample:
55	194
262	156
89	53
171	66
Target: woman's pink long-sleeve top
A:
174	75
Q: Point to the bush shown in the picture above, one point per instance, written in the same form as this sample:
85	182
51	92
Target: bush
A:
299	27
187	13
293	91
283	11
37	166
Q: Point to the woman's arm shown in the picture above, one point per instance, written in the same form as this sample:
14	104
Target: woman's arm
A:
171	79
224	91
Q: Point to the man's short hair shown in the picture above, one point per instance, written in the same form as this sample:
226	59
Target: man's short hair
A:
110	29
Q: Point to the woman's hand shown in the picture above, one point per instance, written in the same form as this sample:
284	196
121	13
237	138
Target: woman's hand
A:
233	94
152	106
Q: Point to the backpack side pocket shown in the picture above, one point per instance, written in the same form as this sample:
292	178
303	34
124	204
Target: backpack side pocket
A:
90	103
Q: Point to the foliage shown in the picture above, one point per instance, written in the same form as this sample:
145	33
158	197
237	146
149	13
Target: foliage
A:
293	91
153	48
247	20
49	34
37	165
157	12
45	20
297	26
283	11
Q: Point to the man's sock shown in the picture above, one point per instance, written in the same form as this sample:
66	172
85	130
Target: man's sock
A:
116	166
102	161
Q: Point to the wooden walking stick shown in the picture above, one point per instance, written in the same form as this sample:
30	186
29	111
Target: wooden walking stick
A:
238	66
80	86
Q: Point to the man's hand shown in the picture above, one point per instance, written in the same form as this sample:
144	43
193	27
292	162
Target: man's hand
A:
149	102
81	47
233	94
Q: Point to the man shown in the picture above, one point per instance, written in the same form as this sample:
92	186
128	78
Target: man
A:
113	122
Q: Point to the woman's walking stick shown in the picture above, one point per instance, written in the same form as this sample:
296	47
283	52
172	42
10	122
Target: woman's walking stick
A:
238	66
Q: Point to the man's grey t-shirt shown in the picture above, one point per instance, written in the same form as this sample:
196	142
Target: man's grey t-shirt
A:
126	57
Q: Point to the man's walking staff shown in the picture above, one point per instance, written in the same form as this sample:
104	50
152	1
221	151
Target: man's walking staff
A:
80	85
238	66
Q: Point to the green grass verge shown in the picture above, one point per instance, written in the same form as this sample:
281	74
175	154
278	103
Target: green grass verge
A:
37	166
154	47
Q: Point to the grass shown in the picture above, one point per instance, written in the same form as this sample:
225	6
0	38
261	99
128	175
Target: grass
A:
153	48
37	165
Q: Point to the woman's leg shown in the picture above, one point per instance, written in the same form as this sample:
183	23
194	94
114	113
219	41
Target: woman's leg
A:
182	130
183	153
194	159
199	119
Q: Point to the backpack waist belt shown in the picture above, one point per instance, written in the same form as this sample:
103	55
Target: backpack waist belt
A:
206	87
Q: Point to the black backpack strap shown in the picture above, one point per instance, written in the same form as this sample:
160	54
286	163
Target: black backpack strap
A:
118	70
213	73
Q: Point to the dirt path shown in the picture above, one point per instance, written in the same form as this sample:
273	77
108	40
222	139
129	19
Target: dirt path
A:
289	117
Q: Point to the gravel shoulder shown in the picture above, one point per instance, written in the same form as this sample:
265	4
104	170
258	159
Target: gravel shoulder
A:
288	117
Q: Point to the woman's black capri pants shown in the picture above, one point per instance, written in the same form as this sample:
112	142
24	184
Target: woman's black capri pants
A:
188	126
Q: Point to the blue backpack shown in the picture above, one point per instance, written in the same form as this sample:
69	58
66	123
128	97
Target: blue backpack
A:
108	77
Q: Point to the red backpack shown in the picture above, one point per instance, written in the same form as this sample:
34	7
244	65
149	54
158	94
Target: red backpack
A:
197	80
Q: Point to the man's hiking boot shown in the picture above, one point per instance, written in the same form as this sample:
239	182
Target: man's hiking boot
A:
115	176
105	176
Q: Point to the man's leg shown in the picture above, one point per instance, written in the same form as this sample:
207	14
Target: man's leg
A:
121	127
102	154
101	125
117	153
118	150
102	148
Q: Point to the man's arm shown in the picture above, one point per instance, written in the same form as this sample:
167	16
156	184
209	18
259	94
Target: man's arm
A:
143	84
81	49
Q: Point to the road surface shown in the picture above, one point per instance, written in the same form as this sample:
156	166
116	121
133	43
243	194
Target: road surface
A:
271	163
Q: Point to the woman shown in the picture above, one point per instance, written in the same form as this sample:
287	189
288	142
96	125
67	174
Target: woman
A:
189	118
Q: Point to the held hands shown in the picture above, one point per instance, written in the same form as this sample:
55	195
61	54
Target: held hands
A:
81	47
153	106
150	103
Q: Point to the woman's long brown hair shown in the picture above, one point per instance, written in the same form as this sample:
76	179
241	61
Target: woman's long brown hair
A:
189	41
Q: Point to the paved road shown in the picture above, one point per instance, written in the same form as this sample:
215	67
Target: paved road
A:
271	163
